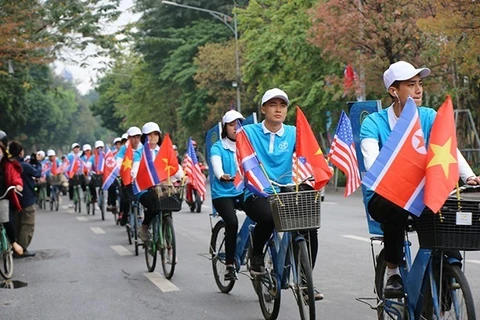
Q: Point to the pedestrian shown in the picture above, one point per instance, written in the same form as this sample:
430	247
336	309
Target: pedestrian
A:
25	219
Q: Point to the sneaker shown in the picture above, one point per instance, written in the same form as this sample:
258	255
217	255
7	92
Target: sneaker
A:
394	287
316	294
143	232
231	274
257	265
124	219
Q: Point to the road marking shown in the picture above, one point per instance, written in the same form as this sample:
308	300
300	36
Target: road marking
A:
349	236
474	261
121	250
97	230
328	202
82	219
163	284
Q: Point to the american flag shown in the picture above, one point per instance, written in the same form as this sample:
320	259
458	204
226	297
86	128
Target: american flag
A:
193	171
342	154
302	172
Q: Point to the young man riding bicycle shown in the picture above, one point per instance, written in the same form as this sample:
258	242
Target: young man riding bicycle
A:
402	80
274	144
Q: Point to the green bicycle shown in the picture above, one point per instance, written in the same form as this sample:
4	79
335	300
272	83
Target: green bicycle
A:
76	198
42	195
161	231
6	251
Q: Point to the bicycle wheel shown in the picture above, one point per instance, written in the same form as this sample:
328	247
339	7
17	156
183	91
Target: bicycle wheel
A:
197	201
135	228
397	306
303	290
217	249
101	203
129	233
87	201
79	199
168	251
268	289
151	245
6	266
52	201
457	300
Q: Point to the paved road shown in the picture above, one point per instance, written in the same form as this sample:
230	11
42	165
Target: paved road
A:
85	269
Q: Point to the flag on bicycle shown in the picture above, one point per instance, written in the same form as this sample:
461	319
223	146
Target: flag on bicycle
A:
442	172
254	178
342	154
308	151
99	161
127	163
398	173
301	171
54	166
147	174
110	171
193	171
73	167
46	168
166	161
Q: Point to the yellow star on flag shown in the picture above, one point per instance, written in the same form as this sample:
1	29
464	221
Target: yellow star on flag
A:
127	164
319	152
167	166
442	156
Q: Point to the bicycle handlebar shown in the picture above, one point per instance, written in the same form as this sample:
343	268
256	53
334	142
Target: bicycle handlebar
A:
310	178
466	189
8	190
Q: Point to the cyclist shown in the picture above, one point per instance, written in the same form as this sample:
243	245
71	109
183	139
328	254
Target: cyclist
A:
401	80
124	138
95	171
225	196
52	158
177	154
10	175
149	199
134	134
274	144
112	190
78	177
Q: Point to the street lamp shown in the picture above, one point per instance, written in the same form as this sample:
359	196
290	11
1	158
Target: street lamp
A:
225	19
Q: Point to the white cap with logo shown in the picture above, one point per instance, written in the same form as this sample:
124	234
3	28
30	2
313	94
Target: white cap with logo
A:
230	116
401	71
275	93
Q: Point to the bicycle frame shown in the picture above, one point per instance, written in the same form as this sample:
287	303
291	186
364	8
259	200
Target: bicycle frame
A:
243	242
416	276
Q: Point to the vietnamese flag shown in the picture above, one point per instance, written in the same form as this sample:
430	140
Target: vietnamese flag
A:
126	168
442	165
166	161
307	148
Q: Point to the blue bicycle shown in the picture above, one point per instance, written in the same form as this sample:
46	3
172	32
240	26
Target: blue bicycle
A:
435	285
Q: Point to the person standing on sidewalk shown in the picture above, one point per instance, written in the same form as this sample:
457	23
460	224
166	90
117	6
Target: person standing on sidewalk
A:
25	219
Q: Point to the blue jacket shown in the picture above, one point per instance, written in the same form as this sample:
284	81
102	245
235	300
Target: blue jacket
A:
29	172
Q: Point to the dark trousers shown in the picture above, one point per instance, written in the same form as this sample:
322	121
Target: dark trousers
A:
112	194
393	219
93	192
149	202
126	197
226	209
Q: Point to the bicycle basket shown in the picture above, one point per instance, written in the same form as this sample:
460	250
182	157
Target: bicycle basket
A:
96	180
455	226
169	197
55	180
296	210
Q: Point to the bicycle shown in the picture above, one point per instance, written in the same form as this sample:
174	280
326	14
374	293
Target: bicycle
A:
435	285
97	181
135	220
6	251
55	183
193	199
42	195
87	199
161	231
77	201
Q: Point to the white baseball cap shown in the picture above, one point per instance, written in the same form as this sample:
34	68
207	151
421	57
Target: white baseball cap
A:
230	116
275	93
51	152
41	153
125	136
174	147
99	143
134	131
401	71
117	139
75	145
86	147
150	127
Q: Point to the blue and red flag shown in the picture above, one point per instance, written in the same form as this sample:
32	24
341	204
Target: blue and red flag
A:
73	167
147	174
193	170
110	171
398	173
255	178
99	162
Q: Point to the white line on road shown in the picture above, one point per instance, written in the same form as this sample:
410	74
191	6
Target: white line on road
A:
349	236
97	230
82	219
328	202
474	261
163	284
121	250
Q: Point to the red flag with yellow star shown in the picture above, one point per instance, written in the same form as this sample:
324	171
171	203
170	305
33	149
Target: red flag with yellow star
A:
166	161
442	166
308	151
126	168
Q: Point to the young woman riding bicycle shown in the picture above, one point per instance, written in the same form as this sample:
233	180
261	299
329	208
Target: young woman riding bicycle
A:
226	198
